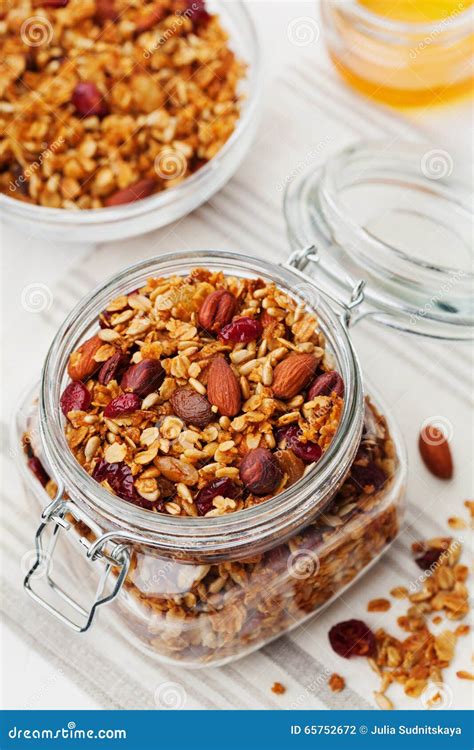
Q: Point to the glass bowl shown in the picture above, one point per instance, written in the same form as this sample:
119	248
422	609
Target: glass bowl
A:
129	220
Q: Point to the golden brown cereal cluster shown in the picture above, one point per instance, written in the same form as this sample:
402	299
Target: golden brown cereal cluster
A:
104	102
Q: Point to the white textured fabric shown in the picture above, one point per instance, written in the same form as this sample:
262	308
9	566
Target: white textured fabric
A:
308	115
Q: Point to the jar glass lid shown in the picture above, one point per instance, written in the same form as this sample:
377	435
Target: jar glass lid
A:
396	217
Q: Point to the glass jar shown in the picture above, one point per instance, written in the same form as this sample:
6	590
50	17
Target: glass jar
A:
402	62
207	590
160	209
199	591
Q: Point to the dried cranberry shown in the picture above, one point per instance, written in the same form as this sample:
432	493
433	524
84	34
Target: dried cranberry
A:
35	465
352	638
119	476
223	486
241	331
195	10
326	384
75	397
368	476
289	437
88	100
428	558
124	404
113	368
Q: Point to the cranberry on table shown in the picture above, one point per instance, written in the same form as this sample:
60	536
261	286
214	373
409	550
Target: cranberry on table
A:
126	403
88	100
223	486
75	397
352	638
241	331
309	452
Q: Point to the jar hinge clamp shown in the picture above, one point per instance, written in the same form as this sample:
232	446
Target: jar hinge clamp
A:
298	261
114	561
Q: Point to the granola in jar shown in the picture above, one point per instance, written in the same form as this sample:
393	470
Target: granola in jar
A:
201	396
105	102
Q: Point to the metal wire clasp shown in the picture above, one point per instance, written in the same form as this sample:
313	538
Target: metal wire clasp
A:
299	259
115	559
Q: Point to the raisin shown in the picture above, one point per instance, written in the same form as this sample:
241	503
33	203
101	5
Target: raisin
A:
352	638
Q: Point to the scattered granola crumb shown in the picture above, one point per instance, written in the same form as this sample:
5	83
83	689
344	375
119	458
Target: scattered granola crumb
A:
278	688
457	523
383	702
378	605
419	659
336	683
469	504
399	592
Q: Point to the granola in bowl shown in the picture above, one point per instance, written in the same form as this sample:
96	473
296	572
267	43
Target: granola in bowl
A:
105	102
201	395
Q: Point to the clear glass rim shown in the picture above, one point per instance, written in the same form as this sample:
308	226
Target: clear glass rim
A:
459	22
315	216
331	171
164	198
275	517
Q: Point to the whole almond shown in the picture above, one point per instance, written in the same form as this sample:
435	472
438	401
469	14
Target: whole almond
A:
260	471
143	378
435	452
81	362
223	389
293	374
217	310
140	189
191	407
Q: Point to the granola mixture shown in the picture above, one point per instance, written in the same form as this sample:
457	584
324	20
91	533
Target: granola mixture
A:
417	661
104	102
202	396
209	613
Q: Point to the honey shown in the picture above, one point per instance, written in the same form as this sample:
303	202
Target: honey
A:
402	52
421	11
